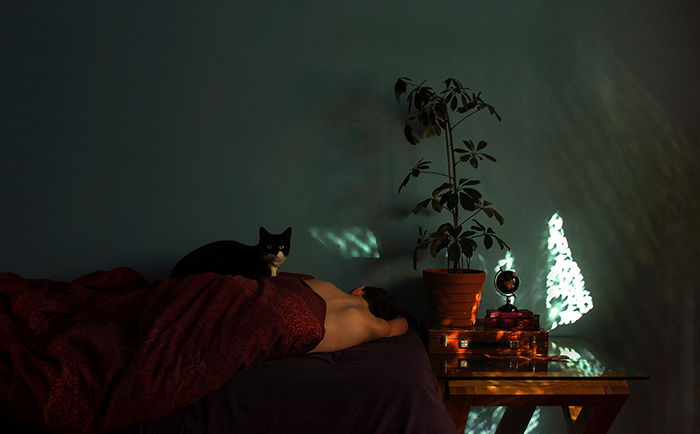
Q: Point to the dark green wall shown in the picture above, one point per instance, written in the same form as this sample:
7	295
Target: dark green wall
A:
132	132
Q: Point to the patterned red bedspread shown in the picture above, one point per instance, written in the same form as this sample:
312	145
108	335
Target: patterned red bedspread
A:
110	349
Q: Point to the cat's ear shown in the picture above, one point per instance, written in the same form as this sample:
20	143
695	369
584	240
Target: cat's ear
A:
287	232
263	232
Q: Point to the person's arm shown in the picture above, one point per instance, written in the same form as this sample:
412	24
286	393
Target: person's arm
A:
397	326
354	326
380	328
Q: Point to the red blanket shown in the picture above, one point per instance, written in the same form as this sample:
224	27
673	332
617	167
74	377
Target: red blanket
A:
111	350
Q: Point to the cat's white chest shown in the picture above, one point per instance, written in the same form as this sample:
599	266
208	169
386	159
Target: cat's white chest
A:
274	262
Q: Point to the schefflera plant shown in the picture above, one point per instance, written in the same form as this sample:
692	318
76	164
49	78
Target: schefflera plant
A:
431	114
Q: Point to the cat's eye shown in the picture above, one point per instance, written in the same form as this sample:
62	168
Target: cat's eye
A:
281	247
269	247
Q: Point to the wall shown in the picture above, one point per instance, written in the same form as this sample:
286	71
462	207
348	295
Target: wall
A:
134	132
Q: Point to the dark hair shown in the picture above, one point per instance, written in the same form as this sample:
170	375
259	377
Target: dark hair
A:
381	304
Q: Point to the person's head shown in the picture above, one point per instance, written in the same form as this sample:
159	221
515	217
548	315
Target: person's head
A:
380	302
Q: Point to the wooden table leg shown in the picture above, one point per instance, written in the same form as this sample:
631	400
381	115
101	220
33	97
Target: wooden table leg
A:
597	419
571	413
458	406
515	420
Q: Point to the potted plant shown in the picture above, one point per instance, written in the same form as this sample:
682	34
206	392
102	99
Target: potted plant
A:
455	291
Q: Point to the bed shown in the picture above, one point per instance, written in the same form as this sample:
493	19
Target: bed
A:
258	381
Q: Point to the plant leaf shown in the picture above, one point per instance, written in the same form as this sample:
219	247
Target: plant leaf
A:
468	246
425	117
442	187
488	241
493	112
502	244
421	205
419	246
472	192
482	144
445	227
452	200
417	101
454	252
437	245
399	88
405	181
498	216
445	197
466	201
408	132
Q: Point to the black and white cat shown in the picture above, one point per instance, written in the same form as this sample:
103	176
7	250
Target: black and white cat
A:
232	257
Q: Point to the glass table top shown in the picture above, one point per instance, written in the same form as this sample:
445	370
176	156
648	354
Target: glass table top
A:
569	358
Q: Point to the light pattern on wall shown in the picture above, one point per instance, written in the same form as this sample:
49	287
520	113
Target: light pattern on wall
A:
485	420
507	263
351	242
567	297
588	364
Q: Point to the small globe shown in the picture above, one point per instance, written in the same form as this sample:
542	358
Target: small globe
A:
507	282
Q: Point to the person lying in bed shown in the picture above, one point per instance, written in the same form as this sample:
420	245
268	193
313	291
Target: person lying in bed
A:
365	314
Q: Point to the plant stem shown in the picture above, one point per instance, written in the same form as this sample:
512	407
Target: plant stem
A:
471	216
434	173
469	115
452	165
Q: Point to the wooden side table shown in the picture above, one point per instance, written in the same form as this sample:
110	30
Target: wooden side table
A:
590	385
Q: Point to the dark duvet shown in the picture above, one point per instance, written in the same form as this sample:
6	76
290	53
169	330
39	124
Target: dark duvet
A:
384	386
111	352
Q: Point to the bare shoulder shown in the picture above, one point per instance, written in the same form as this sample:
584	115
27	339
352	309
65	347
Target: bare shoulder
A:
325	289
397	326
312	282
321	284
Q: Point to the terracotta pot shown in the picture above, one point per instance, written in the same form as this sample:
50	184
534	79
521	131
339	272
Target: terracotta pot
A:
454	297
